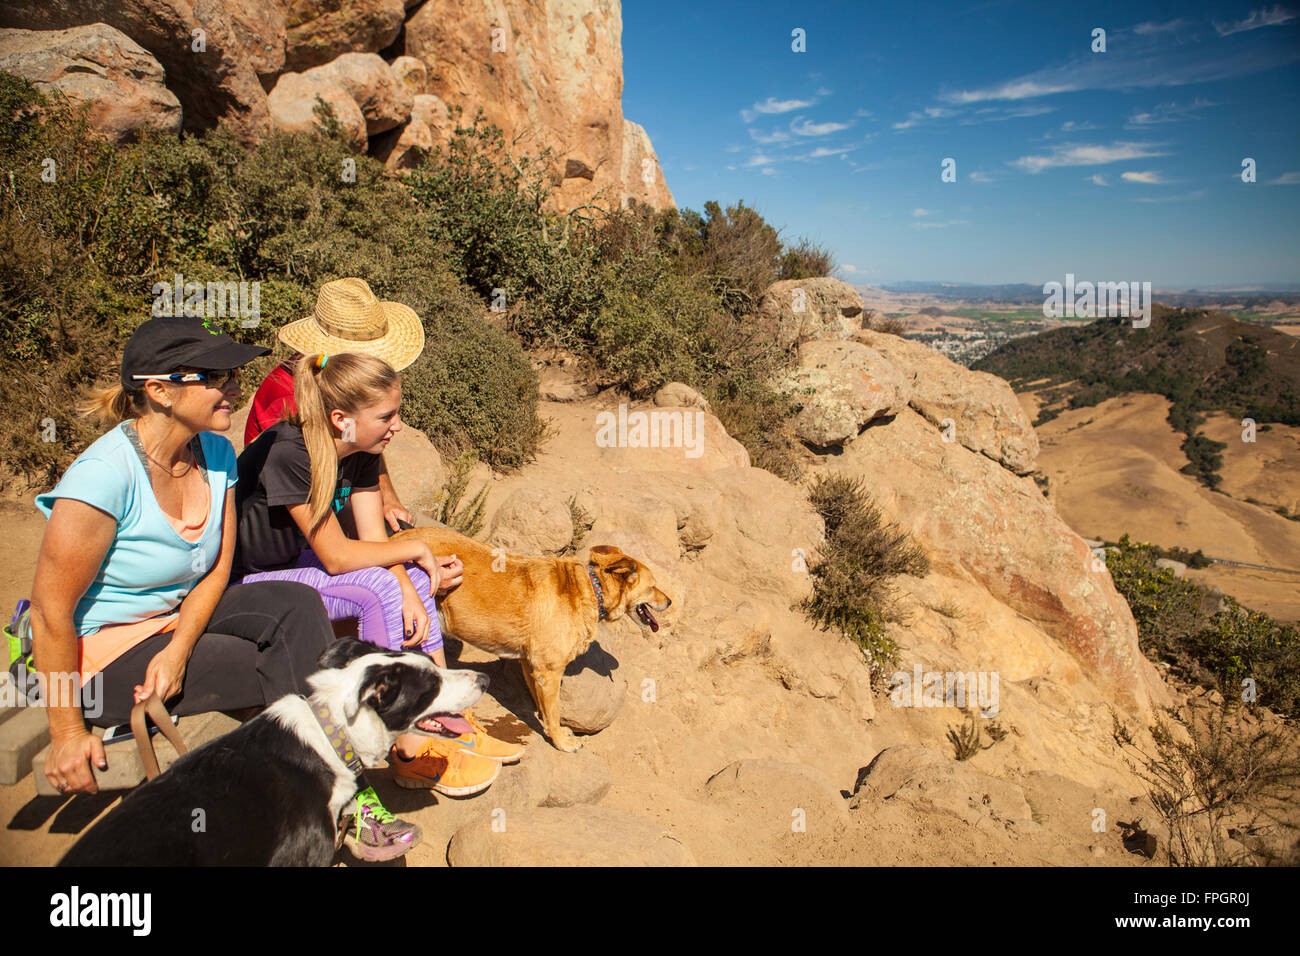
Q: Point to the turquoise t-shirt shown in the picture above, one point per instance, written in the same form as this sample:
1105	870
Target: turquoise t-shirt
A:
149	567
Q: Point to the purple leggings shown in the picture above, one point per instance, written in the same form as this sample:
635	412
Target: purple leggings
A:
371	595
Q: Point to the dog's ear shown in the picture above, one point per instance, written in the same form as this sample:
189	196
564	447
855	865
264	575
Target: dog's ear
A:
613	561
343	652
379	689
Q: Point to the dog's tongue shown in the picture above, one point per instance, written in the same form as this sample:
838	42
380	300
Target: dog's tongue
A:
456	725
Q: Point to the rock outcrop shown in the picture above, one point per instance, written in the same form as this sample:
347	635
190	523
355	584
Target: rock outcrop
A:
549	73
97	67
839	387
796	310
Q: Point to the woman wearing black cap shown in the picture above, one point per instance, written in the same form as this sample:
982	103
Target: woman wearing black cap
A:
131	582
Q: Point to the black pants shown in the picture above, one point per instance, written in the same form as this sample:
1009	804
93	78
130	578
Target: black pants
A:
261	643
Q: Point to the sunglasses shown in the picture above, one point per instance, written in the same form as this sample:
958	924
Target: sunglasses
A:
216	378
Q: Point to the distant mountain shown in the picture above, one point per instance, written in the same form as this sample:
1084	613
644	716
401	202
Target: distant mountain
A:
1022	293
1200	360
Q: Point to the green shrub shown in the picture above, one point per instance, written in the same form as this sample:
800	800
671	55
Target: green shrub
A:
852	588
1180	622
79	257
806	261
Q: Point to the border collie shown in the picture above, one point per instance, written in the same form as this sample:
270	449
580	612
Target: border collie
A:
269	793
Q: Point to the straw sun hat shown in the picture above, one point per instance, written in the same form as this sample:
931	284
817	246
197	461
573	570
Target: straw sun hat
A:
349	318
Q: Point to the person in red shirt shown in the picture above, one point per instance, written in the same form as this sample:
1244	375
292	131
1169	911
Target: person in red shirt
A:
346	319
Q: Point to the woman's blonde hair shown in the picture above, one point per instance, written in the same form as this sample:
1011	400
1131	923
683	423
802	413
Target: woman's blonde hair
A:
113	404
349	382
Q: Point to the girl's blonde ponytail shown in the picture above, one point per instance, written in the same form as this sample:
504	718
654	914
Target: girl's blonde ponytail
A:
322	383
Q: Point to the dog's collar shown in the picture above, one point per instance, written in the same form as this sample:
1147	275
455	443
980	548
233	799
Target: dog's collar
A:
600	598
338	740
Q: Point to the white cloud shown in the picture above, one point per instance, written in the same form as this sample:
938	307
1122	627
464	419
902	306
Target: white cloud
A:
801	127
863	113
758	159
1145	29
848	268
1273	16
1099	179
1149	177
929	113
769	170
773	105
920	212
941	225
979	177
1179	198
821	151
822	91
1023	89
1168	113
1072	155
1286	179
776	136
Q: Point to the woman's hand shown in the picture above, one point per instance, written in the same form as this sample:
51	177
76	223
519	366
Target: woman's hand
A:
453	572
415	617
165	675
67	765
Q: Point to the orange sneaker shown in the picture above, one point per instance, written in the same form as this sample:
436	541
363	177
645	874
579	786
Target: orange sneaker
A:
450	770
481	745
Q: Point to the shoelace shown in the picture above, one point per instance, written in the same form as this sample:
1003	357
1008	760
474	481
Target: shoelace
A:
368	804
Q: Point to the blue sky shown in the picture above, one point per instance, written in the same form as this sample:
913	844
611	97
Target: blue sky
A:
1122	165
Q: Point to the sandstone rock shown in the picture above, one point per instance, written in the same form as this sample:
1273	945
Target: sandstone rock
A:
432	112
929	780
592	692
780	796
675	394
320	30
219	85
643	177
97	67
797	310
550	71
980	409
840	387
526	784
384	100
575	836
1178	567
411	73
969	512
404	147
293	103
259	27
532	521
414	466
576	779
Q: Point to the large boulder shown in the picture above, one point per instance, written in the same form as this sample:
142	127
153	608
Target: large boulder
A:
293	105
100	68
217	84
573	836
840	387
977	409
320	30
970	513
383	99
797	310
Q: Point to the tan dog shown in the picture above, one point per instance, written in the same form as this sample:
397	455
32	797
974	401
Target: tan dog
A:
542	611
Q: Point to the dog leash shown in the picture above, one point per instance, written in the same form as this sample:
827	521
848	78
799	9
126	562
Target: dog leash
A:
154	708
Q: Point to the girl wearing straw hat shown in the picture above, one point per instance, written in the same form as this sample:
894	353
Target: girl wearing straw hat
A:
348	318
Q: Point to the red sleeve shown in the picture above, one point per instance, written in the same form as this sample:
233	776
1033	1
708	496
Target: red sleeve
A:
271	400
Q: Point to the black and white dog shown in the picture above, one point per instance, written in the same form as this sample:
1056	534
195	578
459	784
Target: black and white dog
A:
269	793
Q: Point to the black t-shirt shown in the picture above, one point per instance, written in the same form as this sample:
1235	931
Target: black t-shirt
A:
274	472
